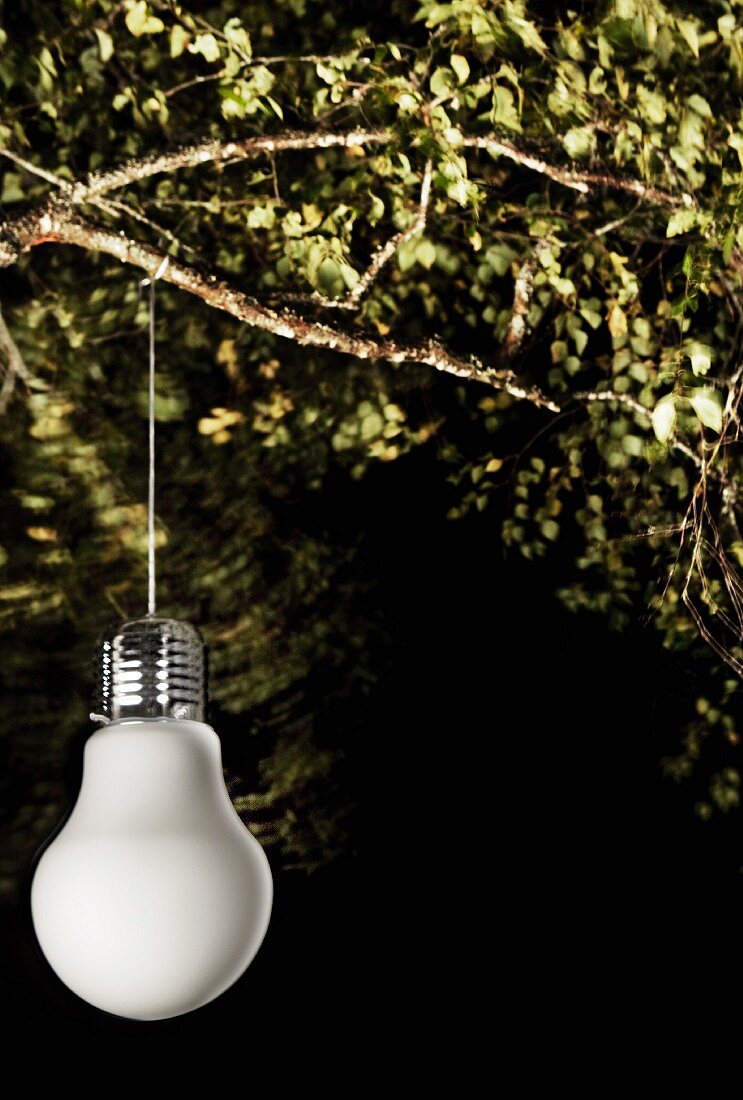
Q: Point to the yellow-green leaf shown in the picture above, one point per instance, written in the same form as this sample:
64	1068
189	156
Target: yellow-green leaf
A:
179	39
139	20
461	67
700	356
681	221
663	417
105	44
707	404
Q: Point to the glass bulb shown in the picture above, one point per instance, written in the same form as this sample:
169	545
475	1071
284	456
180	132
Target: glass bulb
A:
154	897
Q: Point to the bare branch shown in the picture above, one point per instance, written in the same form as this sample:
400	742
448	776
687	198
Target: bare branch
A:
35	169
214	151
54	225
14	367
379	260
116	207
394	244
577	181
254	62
217	152
522	295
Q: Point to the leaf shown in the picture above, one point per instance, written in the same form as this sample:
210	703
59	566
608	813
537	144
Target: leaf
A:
371	425
616	320
12	191
663	417
105	44
376	210
726	26
700	105
707	404
179	39
139	21
681	221
425	253
652	105
528	34
591	316
236	33
461	67
700	356
728	244
441	82
579	142
688	31
220	420
550	529
505	112
42	534
207	46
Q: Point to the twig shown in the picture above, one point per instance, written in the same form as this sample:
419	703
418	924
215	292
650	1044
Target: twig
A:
379	260
522	294
577	181
14	368
54	224
215	151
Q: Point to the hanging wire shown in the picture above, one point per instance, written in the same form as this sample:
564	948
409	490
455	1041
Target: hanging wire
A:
151	576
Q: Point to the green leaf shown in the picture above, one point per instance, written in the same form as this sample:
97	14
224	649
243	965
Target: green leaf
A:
550	529
579	142
700	356
707	404
425	253
236	33
528	34
461	67
376	210
652	105
700	105
688	31
207	46
505	112
442	82
663	417
12	191
139	20
728	244
371	426
681	221
179	39
105	44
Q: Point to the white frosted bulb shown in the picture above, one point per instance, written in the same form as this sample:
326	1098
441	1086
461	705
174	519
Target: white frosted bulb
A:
154	897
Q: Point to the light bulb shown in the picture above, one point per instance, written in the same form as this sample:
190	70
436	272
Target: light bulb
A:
154	897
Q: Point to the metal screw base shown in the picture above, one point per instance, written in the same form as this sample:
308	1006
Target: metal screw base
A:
150	668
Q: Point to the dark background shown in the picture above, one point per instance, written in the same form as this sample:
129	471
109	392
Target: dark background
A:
513	825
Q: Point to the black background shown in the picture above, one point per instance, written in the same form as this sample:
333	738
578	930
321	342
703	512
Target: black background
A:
513	827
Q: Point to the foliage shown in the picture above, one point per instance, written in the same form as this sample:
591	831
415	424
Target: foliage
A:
631	249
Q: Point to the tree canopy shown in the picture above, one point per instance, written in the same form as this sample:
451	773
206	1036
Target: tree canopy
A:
502	235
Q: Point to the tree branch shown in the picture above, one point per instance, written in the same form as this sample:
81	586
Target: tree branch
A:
214	151
217	152
55	221
14	367
54	224
522	294
577	181
379	260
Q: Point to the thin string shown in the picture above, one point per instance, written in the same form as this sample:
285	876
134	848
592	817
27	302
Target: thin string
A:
151	483
151	576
